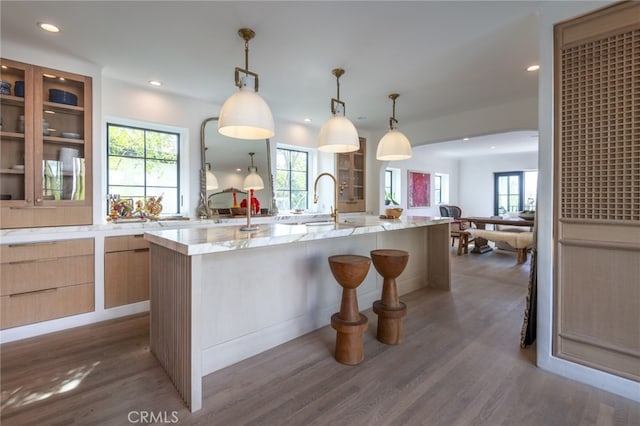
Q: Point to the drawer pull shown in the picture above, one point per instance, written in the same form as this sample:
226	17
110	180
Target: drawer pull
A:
138	236
26	293
44	259
141	250
41	243
31	207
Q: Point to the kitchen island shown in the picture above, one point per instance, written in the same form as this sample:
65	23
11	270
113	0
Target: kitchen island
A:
219	295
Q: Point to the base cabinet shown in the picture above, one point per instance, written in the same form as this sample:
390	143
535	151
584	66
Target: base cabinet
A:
126	264
45	280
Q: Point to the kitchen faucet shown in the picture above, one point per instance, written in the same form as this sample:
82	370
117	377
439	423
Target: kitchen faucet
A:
337	189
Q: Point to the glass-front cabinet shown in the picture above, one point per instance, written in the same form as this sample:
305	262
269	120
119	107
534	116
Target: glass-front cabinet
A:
352	178
45	141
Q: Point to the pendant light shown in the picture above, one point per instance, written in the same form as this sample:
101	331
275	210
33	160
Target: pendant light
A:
338	134
394	145
245	115
253	179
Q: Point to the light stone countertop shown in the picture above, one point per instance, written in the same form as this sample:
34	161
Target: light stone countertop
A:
203	240
18	235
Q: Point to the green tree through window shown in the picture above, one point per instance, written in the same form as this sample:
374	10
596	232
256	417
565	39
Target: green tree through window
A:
292	177
143	163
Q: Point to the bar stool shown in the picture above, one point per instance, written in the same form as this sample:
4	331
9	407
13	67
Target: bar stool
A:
349	271
389	263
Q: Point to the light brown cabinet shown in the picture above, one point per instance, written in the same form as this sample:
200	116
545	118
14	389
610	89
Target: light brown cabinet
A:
45	142
45	280
351	175
126	270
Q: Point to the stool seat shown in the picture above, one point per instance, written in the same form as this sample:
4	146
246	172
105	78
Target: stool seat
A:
349	270
389	263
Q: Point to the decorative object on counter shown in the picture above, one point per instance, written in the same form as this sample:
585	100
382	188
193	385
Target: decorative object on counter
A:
61	97
338	134
235	200
153	206
393	213
349	271
245	115
394	145
251	183
125	210
390	310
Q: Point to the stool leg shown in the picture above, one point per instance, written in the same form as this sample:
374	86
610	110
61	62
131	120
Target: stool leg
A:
390	312
349	310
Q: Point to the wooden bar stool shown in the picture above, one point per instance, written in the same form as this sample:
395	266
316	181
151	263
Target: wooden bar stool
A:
390	264
349	270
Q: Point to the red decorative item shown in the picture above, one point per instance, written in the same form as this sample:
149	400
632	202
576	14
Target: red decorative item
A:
255	204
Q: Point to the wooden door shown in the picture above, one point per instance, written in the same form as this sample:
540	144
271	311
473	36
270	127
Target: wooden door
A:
597	190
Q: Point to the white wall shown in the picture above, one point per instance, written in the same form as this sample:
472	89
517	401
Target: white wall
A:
423	160
477	181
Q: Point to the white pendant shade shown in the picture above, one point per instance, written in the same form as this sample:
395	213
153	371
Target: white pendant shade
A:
393	146
253	181
338	134
212	181
245	115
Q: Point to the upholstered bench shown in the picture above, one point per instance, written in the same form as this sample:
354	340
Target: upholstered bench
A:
521	241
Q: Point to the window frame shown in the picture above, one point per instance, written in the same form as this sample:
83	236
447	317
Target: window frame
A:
182	181
496	193
276	190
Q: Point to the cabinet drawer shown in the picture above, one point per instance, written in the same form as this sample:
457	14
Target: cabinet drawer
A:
31	217
126	242
28	308
44	273
11	253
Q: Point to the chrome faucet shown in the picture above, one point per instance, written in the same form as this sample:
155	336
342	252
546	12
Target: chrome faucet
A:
337	189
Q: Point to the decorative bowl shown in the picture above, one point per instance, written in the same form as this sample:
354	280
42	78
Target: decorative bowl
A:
393	212
62	97
527	215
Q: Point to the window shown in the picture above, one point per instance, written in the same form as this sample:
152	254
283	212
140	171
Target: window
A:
512	189
392	187
292	179
437	188
144	162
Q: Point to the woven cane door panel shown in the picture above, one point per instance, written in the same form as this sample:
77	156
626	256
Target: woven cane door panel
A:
597	187
601	129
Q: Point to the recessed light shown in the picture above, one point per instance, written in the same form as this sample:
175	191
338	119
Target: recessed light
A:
49	75
533	68
4	67
48	111
493	147
61	78
307	120
155	83
238	170
48	27
465	139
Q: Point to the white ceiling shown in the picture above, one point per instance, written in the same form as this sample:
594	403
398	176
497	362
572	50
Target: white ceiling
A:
477	146
441	57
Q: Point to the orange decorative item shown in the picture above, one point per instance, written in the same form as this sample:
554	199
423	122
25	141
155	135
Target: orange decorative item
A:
235	201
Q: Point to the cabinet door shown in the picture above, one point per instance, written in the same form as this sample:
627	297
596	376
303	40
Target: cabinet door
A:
126	276
48	132
16	134
62	134
351	174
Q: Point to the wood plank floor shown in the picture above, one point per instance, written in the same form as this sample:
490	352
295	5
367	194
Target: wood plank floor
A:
460	364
